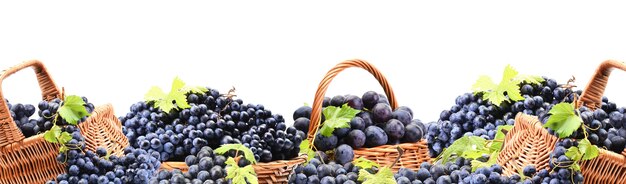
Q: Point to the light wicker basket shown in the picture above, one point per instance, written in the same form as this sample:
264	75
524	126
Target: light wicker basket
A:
414	153
33	159
530	143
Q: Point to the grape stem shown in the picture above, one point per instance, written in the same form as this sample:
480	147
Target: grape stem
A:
400	152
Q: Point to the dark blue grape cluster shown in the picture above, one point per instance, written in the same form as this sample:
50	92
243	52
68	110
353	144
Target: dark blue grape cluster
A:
560	164
212	120
605	126
204	168
136	166
472	115
21	114
377	124
457	171
322	170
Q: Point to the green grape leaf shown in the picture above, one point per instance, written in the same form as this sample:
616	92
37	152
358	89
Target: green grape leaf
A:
65	137
483	84
364	163
337	118
384	176
573	153
52	134
238	147
495	93
532	79
498	141
563	119
305	148
588	150
73	109
492	160
165	101
240	175
194	89
575	166
466	146
63	149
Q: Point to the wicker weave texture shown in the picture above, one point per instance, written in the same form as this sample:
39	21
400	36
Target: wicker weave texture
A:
268	173
414	153
528	143
33	159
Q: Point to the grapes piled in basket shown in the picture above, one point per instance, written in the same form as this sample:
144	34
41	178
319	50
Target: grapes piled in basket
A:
22	114
369	122
186	119
493	105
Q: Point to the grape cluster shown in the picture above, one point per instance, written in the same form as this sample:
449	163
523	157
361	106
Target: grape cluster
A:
472	115
560	164
21	114
377	124
605	126
204	168
457	171
136	166
212	120
316	172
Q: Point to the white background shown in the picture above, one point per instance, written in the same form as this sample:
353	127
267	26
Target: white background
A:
276	52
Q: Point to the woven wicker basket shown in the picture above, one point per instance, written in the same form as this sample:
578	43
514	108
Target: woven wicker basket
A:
528	143
534	144
32	159
414	153
267	173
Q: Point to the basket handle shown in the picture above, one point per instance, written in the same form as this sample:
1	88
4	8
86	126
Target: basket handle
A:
592	94
316	112
49	91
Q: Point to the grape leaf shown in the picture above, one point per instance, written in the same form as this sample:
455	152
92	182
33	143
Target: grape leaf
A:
532	79
337	118
305	148
52	134
495	93
573	153
73	109
384	176
478	164
194	89
473	145
364	163
65	137
238	147
498	141
563	119
240	175
588	150
165	101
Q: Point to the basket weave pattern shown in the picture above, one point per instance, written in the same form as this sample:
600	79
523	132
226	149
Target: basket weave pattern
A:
267	173
414	153
528	143
608	167
33	159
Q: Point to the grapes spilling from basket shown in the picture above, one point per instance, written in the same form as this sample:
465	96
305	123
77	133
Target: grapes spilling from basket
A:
374	123
22	115
482	112
204	167
203	117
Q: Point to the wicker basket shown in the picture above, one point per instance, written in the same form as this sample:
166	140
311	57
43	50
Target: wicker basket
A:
414	153
268	172
528	143
608	167
32	159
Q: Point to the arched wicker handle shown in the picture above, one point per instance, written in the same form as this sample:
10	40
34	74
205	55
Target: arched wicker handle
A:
316	112
9	132
593	92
